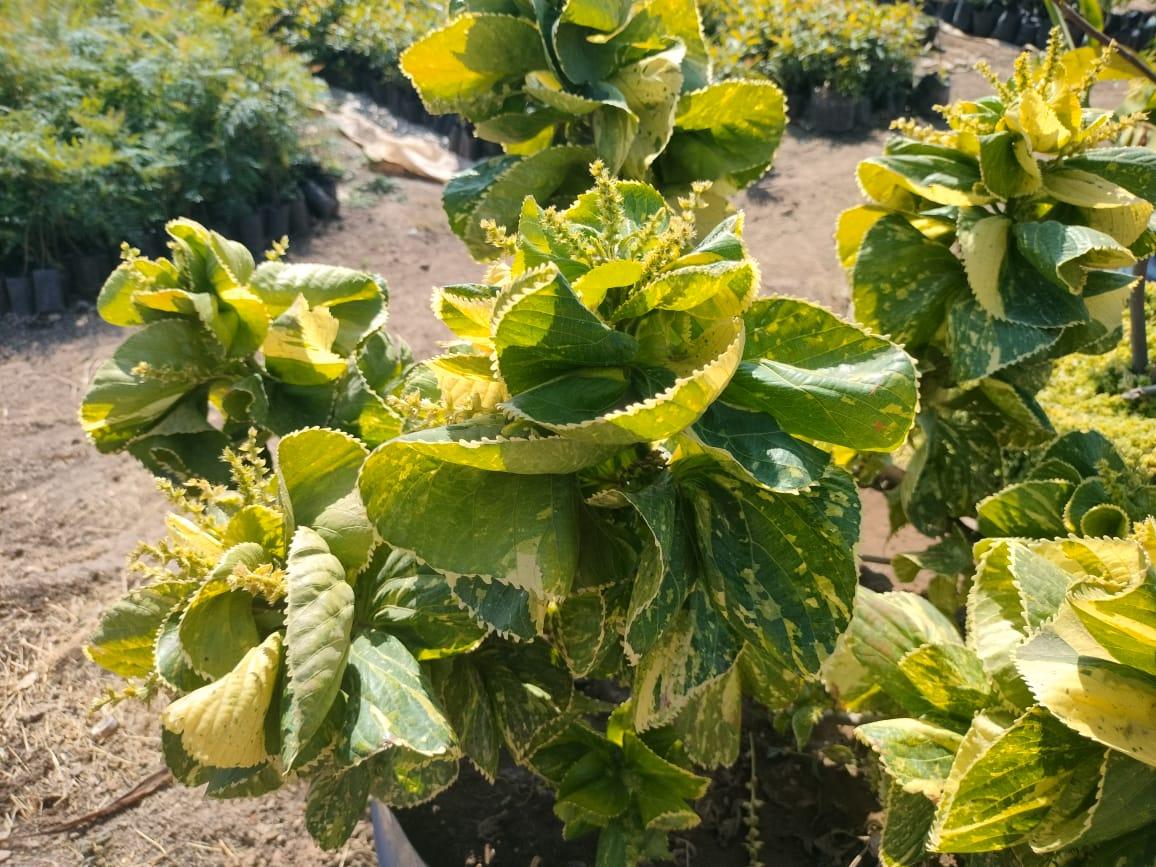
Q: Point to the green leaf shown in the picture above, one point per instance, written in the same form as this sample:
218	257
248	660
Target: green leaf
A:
317	470
469	66
1121	616
664	573
1111	804
545	331
888	626
299	348
335	804
146	377
390	704
531	695
507	610
694	651
823	378
462	194
318	624
996	795
664	787
125	638
217	627
554	174
779	570
1064	254
414	603
710	723
980	345
651	88
1014	592
1133	168
223	724
522	530
905	828
582	632
893	179
916	754
1098	698
1034	509
467	702
902	281
403	778
949	677
726	130
757	449
595	406
1007	165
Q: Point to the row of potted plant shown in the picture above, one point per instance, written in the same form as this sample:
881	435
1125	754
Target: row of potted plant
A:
48	289
119	115
842	64
1028	23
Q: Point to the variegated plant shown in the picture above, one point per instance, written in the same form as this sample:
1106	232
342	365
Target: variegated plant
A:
1033	740
619	470
275	346
1077	484
559	83
989	249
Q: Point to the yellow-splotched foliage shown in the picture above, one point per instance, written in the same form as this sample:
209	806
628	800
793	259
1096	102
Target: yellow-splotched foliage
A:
1084	393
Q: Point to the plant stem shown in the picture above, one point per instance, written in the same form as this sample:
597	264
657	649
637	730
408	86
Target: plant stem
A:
1139	320
1132	58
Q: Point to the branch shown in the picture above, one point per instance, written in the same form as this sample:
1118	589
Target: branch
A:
1082	24
154	782
1142	393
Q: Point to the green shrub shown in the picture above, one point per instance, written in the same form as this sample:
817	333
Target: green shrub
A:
350	39
856	47
991	249
560	84
613	473
120	114
1084	391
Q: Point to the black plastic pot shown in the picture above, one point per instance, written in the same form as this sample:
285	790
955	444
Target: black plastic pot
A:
930	92
18	291
1007	26
961	16
891	105
300	225
1042	34
276	218
321	204
251	233
1029	26
48	284
864	113
831	112
983	20
1147	33
88	275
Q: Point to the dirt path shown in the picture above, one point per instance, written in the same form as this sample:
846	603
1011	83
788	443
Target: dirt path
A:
68	518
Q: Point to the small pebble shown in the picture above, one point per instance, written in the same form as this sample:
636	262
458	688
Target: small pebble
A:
104	729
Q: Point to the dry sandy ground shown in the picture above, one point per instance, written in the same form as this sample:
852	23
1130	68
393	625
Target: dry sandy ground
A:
68	517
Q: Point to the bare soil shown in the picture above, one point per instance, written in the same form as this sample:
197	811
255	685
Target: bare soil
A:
69	517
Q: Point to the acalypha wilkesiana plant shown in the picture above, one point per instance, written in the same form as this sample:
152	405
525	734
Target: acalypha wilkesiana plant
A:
620	469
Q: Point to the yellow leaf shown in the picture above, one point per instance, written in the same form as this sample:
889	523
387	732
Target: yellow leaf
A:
222	725
984	248
1035	119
